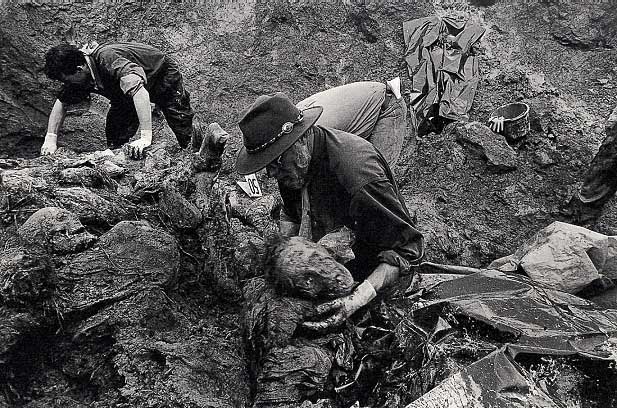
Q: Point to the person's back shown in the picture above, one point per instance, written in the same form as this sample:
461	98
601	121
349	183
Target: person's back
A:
366	109
353	108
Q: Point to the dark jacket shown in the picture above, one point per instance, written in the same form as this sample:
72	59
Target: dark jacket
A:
351	184
111	62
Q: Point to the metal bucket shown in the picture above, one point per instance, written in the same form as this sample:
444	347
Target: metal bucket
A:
516	120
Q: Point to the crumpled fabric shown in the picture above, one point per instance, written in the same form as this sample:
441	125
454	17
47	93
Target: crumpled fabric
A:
444	71
288	367
528	317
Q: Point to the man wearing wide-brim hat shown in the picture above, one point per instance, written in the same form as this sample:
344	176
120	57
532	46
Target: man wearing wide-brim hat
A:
328	179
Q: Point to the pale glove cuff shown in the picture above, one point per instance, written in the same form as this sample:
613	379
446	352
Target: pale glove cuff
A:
365	292
51	137
146	136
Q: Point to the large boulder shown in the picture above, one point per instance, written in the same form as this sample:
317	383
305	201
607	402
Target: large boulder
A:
564	257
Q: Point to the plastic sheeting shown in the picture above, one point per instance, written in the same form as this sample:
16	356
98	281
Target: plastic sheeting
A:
492	382
444	72
502	322
528	317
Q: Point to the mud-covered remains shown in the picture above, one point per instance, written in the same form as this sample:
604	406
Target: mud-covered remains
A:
90	307
289	364
158	323
303	269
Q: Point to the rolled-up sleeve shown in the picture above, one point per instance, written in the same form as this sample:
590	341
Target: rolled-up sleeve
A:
130	76
382	222
130	84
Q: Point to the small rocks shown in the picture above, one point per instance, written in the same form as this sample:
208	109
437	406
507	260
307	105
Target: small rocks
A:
543	159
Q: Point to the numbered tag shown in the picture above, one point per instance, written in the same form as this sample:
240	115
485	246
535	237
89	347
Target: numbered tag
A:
250	186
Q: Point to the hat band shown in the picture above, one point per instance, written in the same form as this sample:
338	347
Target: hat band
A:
287	128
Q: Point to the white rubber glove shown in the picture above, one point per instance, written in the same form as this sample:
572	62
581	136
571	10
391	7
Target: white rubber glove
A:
496	124
136	148
50	145
343	308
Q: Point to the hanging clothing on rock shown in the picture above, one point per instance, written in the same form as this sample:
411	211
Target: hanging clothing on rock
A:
443	68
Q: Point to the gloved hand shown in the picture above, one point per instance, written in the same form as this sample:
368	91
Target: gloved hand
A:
50	145
342	308
496	123
136	148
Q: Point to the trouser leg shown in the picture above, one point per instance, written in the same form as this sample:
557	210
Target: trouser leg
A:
600	180
121	124
179	116
390	130
175	102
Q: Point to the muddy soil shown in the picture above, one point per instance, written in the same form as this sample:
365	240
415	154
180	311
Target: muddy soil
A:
177	341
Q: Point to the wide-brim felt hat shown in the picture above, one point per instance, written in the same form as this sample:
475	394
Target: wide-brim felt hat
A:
270	126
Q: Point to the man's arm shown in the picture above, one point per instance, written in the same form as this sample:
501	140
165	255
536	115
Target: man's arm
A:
56	119
141	99
382	221
383	276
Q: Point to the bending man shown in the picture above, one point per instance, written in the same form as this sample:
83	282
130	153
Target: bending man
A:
130	75
367	109
328	179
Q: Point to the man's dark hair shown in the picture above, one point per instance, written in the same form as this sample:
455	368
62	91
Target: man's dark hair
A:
63	59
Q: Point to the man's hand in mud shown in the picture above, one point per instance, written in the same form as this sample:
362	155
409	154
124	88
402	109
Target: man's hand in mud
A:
136	148
342	308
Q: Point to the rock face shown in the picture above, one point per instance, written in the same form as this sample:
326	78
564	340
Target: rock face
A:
591	27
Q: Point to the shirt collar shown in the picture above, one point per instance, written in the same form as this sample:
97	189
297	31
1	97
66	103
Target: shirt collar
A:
88	50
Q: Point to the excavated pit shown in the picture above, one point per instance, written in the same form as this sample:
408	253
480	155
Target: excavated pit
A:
130	337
